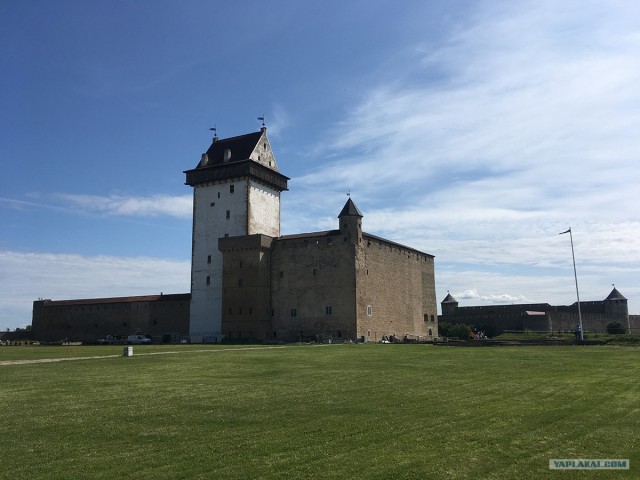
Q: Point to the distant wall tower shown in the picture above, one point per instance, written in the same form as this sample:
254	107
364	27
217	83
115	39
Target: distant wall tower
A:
449	306
616	308
236	191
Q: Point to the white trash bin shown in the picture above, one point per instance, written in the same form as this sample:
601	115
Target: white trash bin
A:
128	351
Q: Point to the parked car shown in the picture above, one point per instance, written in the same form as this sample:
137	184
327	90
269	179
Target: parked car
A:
138	339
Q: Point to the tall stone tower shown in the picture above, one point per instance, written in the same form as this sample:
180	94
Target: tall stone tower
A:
236	191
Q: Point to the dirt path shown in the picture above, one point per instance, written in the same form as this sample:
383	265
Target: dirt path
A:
68	359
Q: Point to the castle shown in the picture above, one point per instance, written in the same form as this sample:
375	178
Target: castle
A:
249	282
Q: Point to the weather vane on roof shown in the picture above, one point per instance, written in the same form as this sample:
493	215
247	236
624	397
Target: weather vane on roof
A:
262	120
215	132
349	193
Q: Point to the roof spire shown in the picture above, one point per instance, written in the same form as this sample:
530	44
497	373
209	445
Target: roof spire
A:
449	298
215	133
262	120
350	209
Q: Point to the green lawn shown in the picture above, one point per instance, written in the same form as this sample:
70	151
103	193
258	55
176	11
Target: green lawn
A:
338	411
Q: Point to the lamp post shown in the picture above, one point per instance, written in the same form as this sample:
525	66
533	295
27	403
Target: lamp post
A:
576	277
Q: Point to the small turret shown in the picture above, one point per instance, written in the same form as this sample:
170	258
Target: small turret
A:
351	222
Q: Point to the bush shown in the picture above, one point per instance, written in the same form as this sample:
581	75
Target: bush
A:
443	329
616	328
458	330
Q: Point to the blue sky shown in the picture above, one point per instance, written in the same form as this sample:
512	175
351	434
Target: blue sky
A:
474	131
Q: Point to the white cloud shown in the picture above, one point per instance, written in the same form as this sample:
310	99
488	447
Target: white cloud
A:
278	121
179	206
525	108
520	124
467	295
500	298
28	276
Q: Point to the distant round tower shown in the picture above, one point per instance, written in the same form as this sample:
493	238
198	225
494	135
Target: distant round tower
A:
236	191
449	306
616	308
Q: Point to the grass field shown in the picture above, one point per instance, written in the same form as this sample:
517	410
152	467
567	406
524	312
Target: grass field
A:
337	411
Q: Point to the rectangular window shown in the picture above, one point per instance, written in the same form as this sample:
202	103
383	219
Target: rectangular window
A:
281	274
218	194
328	310
208	258
240	282
294	312
228	214
315	271
208	280
232	188
369	310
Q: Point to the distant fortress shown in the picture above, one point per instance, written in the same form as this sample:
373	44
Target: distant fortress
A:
542	316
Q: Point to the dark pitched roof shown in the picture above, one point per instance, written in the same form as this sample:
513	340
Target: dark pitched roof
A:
141	298
615	295
350	209
238	163
298	236
240	148
449	299
369	236
334	233
517	308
